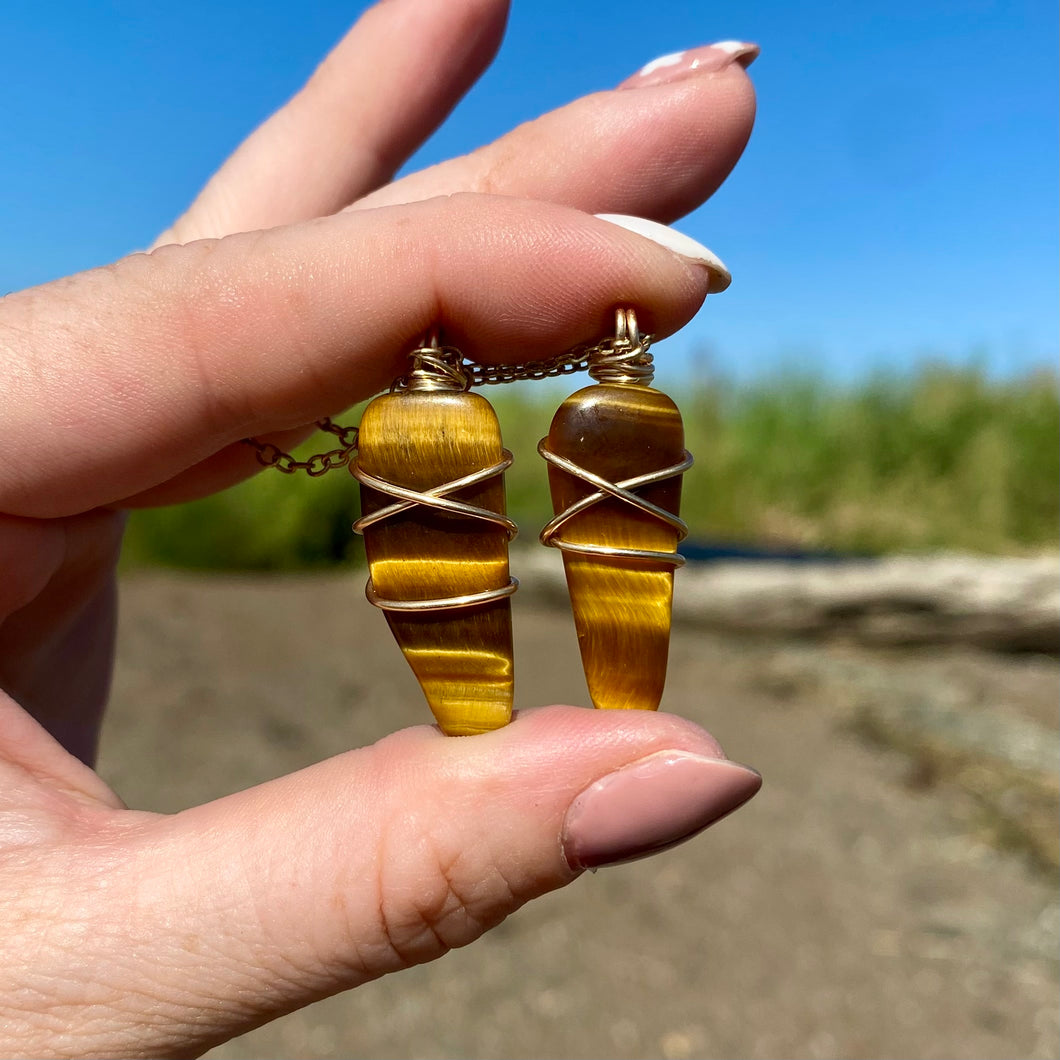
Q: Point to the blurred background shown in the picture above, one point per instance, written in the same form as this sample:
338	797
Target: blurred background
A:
873	619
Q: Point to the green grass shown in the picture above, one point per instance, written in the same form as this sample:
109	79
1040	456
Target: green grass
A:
945	458
269	522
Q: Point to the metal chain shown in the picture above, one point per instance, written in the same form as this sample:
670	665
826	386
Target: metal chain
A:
568	363
270	455
575	360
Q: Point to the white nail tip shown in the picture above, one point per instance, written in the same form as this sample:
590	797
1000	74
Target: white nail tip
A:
731	46
663	61
678	243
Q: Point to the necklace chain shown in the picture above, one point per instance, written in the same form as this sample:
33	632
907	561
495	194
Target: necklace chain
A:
567	363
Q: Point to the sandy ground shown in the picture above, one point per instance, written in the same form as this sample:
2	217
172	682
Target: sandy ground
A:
852	910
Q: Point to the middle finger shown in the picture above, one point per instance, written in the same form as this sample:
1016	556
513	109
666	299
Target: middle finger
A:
656	147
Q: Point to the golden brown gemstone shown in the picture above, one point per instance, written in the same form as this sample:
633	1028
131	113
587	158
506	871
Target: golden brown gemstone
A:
462	657
621	606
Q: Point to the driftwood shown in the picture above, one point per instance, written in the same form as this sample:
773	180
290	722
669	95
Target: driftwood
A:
998	603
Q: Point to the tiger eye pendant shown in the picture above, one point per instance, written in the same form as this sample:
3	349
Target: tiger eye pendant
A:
616	455
431	468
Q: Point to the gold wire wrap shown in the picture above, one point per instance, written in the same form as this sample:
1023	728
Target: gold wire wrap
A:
623	491
449	603
625	359
434	367
436	498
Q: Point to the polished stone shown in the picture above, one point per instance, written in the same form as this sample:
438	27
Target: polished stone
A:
621	606
461	657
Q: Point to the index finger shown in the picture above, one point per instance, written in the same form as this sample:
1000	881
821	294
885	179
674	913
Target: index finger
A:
122	377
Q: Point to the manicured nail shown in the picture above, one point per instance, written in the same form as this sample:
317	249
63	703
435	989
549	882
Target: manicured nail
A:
652	804
678	242
706	60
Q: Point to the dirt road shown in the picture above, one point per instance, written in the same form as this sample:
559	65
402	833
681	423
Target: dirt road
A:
854	909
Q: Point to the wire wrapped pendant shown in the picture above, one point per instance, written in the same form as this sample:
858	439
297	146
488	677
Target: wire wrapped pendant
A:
431	468
616	455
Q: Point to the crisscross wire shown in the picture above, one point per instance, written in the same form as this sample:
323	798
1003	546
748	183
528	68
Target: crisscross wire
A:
437	497
623	491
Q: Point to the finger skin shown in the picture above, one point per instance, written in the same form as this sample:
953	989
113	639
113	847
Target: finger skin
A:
64	608
235	912
162	942
655	152
127	375
366	109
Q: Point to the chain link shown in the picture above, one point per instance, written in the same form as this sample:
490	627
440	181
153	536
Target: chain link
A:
576	360
568	363
270	455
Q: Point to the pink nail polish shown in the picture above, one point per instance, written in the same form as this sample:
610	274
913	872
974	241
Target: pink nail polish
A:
680	65
649	805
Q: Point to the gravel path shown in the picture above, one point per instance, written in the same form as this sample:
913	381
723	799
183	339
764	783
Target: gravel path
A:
852	910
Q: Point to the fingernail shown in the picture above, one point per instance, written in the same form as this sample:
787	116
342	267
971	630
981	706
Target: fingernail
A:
678	242
706	60
652	804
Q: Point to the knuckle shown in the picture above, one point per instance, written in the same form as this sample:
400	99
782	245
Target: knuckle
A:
436	895
488	176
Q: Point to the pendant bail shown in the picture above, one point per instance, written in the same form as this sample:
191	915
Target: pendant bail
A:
625	359
434	367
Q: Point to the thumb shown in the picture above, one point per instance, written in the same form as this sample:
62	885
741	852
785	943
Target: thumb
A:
389	856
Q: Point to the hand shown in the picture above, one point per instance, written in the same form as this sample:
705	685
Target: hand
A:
132	934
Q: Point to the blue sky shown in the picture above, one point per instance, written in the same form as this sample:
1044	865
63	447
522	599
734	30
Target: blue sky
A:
898	198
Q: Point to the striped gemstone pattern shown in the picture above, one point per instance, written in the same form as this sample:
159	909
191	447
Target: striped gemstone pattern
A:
461	657
621	606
